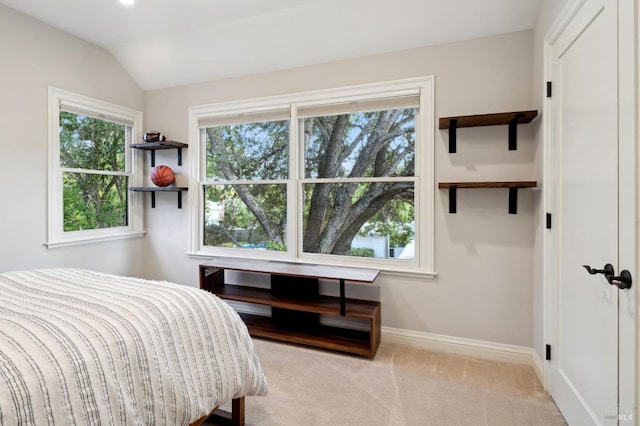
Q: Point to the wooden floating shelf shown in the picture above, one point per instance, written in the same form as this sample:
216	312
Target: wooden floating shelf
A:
154	189
153	146
512	119
520	184
512	186
496	119
159	145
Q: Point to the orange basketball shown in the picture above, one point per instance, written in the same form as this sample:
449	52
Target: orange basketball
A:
162	175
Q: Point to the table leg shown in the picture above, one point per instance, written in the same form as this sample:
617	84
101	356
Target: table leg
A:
343	302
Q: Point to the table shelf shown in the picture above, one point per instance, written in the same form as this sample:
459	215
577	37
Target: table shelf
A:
296	305
324	305
333	338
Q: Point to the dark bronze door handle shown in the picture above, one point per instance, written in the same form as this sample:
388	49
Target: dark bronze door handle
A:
623	282
608	270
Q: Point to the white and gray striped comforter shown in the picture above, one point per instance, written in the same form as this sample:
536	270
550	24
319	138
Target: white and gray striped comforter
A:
86	348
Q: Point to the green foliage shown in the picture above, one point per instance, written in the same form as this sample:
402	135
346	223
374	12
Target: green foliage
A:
253	151
361	252
378	144
395	219
276	245
233	214
92	200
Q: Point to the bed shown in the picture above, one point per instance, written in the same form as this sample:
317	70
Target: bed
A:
82	347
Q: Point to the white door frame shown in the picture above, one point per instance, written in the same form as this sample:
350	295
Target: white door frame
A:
629	117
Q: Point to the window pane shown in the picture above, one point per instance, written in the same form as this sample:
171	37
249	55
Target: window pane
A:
361	144
93	201
360	219
90	143
246	216
248	151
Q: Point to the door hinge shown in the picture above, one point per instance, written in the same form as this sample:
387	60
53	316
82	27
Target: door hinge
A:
547	355
548	220
549	89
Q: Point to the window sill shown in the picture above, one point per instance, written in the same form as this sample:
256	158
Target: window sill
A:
410	274
93	240
385	272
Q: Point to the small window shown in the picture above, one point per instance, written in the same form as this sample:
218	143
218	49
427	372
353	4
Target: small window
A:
90	169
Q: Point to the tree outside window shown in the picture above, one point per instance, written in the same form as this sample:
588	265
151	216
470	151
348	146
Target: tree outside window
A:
372	154
92	155
90	170
340	176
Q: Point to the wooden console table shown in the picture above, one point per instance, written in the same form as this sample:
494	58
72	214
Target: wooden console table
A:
296	304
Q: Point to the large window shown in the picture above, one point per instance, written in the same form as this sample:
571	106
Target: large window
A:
90	169
340	177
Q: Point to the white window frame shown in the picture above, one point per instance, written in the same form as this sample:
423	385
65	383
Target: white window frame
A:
60	100
423	264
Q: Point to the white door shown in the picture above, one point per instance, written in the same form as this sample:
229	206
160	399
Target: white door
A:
585	120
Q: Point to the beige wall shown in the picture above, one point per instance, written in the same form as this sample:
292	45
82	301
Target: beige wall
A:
484	256
33	57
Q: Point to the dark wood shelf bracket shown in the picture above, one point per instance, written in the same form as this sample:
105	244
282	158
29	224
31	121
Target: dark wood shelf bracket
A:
153	191
153	157
513	200
453	125
153	200
513	132
453	199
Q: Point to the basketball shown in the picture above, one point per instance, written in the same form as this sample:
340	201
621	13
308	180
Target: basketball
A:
162	176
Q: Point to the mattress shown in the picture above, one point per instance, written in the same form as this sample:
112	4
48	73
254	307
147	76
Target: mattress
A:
82	347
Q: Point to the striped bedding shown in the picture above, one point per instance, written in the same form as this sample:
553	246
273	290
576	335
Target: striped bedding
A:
86	348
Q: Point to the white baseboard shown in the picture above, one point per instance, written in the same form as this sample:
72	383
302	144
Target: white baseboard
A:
538	366
460	345
435	342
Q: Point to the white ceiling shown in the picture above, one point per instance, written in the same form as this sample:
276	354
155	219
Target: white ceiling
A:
166	43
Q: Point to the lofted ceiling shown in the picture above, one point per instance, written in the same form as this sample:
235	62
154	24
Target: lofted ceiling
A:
165	43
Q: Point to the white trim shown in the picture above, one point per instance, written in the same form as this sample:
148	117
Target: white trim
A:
389	89
563	20
424	262
459	345
628	326
409	274
56	236
435	342
550	243
93	240
538	366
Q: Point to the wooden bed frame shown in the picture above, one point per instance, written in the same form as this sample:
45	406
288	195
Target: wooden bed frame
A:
221	417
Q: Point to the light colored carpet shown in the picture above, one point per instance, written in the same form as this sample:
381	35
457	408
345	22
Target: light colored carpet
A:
401	386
